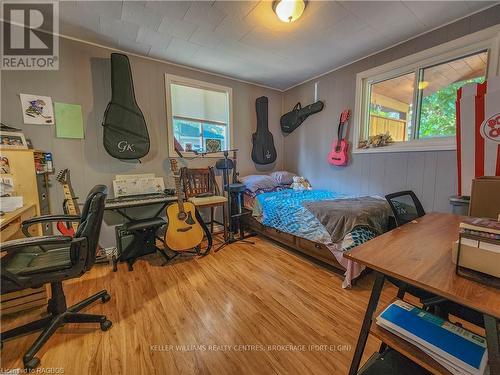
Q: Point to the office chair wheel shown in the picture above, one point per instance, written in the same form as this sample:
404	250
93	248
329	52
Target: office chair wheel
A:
105	298
106	325
32	364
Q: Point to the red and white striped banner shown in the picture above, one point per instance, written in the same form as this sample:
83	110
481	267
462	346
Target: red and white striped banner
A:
478	132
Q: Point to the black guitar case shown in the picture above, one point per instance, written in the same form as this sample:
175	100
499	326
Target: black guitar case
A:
125	131
291	120
263	150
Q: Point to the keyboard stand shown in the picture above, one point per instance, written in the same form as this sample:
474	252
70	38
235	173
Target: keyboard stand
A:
144	235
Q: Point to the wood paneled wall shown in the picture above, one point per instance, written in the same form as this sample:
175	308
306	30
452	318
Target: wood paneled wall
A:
432	175
84	78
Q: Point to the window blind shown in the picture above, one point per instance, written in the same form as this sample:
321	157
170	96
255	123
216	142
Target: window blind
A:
197	103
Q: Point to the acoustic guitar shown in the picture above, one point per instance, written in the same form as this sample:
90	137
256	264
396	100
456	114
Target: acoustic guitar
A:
184	232
338	154
70	205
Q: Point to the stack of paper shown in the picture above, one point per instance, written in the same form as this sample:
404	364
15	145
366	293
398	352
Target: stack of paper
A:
9	204
458	350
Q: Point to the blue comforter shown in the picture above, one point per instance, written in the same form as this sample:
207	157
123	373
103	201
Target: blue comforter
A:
283	210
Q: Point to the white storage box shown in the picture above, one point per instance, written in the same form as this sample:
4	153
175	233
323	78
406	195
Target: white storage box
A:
483	257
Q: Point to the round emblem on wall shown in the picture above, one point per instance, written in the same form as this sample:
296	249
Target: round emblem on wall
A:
490	128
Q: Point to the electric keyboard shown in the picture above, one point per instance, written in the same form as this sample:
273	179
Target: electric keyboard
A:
139	200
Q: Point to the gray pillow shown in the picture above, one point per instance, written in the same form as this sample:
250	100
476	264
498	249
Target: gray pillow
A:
254	182
283	177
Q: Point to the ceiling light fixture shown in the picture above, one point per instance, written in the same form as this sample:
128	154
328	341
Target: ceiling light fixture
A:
289	10
422	85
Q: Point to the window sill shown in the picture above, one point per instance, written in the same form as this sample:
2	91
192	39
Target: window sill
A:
192	155
413	146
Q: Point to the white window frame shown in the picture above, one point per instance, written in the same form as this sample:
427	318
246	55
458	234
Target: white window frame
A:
487	39
173	79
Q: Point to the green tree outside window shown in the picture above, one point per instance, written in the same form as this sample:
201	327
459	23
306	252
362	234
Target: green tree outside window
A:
437	114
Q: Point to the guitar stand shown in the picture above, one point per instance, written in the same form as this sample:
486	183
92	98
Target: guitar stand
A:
196	251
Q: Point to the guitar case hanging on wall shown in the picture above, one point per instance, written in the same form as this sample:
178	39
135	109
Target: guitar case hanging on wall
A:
125	131
263	150
291	120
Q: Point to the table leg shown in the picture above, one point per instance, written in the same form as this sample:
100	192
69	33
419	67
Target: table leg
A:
367	321
493	341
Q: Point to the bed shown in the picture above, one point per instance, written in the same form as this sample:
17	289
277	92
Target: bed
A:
308	221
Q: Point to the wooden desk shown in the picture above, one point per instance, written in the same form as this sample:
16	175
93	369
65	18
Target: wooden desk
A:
10	223
420	254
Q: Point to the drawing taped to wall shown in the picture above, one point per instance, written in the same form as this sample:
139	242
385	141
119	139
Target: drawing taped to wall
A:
37	109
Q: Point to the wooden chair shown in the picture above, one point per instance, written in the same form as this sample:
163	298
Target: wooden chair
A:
201	189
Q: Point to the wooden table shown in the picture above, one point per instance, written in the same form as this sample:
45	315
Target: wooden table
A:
419	253
10	222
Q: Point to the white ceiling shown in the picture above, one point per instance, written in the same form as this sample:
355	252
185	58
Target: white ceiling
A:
245	39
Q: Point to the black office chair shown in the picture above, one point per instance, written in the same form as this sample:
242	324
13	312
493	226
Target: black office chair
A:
406	207
35	261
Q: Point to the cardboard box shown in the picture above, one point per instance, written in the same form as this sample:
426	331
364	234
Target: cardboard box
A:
485	197
485	259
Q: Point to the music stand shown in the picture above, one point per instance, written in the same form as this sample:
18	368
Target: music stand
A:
225	165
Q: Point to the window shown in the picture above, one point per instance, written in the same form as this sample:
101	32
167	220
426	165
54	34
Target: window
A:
413	98
199	116
438	86
433	89
390	110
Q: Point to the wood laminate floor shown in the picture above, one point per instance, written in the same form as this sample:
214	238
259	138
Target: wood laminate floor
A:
251	309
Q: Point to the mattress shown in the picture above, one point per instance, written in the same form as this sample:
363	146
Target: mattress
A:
282	208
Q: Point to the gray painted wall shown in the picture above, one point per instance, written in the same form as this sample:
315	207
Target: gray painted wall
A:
432	175
84	78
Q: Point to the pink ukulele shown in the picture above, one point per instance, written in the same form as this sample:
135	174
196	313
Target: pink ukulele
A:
338	153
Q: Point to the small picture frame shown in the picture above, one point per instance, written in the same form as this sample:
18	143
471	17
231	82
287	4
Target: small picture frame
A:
12	140
213	145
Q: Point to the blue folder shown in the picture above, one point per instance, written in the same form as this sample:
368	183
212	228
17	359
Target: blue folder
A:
455	341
